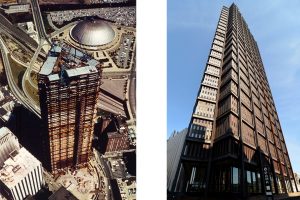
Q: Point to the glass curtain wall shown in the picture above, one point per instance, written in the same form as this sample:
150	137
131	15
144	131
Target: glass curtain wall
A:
227	179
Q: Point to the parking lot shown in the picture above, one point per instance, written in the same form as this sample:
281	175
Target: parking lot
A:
120	15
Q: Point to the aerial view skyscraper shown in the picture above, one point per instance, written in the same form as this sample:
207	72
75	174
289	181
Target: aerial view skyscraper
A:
234	143
69	84
67	94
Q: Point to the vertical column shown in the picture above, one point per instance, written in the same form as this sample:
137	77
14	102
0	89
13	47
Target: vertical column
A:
197	147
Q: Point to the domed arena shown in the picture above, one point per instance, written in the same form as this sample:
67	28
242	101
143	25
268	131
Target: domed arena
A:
92	33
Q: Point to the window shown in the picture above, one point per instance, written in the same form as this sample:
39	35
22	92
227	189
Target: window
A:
258	183
254	182
235	179
249	182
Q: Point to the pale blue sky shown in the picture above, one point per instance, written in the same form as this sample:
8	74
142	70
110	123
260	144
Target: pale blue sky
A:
275	26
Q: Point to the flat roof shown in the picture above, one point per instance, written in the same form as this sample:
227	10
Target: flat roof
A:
4	132
81	71
114	87
115	135
69	59
48	65
53	77
62	194
56	49
76	52
15	168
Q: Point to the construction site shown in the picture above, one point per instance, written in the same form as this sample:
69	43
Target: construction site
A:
69	84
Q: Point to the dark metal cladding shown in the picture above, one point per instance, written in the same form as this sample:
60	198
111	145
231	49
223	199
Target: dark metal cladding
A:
234	133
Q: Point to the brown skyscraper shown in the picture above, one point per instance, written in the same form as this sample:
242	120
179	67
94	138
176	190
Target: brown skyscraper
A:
234	143
69	83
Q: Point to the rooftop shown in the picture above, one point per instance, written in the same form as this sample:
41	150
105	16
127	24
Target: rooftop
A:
115	135
62	194
15	168
3	133
66	61
8	143
127	188
92	32
116	87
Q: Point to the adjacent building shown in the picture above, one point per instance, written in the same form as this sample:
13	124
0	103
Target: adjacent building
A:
8	143
297	179
7	104
127	187
235	143
174	149
20	171
62	194
116	142
69	84
113	134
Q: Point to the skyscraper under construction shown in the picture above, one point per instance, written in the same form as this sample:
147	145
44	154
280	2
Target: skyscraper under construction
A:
234	143
69	84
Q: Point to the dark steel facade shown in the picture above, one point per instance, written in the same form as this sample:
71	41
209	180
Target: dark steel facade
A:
234	131
68	110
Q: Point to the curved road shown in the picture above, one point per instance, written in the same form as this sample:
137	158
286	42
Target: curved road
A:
13	86
36	12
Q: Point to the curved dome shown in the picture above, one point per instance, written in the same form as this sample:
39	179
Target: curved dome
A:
92	33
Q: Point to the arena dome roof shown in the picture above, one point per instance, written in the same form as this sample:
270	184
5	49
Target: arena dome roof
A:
92	33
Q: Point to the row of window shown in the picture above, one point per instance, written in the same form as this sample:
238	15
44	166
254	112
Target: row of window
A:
210	80
205	109
220	38
216	54
217	48
208	93
203	122
214	61
200	132
227	179
213	70
218	42
221	31
199	151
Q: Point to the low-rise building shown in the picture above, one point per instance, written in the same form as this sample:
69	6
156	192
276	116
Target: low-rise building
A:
20	171
62	194
116	142
297	180
127	188
8	143
17	8
113	134
21	175
7	103
174	148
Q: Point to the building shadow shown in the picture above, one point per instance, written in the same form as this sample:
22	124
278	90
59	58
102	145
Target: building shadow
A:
27	127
